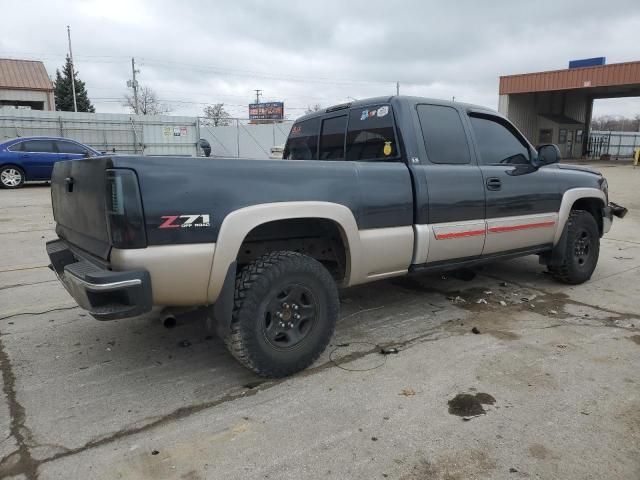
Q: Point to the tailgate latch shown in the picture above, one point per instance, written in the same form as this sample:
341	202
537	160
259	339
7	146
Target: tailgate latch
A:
69	183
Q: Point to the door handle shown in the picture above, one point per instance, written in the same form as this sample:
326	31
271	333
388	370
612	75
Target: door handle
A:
494	183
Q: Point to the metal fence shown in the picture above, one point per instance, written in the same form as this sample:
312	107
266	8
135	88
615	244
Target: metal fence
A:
242	140
615	144
148	135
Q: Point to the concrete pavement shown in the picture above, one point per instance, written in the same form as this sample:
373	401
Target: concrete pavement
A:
131	399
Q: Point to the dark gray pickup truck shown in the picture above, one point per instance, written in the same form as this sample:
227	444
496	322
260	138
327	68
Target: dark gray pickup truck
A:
368	190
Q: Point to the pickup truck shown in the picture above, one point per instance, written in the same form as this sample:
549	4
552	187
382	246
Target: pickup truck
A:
367	190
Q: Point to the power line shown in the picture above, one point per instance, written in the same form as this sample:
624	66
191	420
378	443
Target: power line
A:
222	71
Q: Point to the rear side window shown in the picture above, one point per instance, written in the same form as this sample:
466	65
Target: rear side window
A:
39	146
497	144
332	138
443	134
371	135
17	147
302	143
70	147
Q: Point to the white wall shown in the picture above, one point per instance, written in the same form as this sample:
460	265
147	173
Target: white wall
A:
29	96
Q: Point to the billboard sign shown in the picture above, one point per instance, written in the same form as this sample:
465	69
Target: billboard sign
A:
266	111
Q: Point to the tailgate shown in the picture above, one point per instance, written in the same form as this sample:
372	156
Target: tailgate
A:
78	200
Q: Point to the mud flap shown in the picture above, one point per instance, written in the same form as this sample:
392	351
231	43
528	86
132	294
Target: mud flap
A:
556	255
222	310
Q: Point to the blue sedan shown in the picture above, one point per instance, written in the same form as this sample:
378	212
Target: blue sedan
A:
32	158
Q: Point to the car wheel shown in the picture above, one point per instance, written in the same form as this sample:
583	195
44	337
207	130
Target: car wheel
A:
11	177
582	249
285	311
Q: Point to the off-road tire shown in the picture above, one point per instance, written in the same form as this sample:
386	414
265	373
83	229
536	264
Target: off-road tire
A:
258	286
581	228
18	170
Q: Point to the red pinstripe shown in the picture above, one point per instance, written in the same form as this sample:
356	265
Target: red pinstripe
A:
524	226
468	233
498	229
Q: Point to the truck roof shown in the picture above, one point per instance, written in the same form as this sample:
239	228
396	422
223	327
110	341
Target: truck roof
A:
411	100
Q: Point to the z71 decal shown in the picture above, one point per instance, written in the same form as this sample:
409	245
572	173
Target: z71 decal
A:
185	221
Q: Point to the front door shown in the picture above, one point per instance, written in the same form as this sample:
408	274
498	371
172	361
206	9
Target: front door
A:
522	201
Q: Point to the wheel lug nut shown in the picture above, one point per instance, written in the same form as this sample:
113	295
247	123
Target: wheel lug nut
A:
297	316
295	306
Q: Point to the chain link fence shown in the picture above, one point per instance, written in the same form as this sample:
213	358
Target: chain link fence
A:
614	144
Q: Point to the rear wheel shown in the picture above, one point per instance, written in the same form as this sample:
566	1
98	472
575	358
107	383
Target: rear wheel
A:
285	311
582	249
11	176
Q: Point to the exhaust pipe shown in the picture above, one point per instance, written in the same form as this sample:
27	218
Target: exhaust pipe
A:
168	318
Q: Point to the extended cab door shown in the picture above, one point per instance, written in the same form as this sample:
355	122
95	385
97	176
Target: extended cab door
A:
454	224
522	201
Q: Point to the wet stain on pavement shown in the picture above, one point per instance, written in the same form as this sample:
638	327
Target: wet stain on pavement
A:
635	339
469	405
539	451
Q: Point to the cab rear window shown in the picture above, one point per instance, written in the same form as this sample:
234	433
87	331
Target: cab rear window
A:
302	143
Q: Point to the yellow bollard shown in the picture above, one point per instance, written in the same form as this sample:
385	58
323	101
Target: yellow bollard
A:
636	157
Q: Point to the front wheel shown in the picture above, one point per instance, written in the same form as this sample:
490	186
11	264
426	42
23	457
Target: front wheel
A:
285	311
582	249
11	177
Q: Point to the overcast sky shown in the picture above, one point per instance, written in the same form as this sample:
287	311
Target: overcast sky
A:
317	52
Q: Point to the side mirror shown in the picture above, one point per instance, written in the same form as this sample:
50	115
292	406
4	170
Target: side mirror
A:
87	154
547	154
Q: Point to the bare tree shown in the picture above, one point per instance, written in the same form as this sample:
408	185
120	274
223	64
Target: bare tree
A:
148	103
313	108
215	115
616	123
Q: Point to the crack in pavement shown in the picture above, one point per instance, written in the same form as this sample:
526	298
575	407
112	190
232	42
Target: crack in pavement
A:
16	285
184	412
20	269
19	461
39	313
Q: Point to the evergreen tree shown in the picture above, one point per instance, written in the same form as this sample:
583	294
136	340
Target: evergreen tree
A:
64	93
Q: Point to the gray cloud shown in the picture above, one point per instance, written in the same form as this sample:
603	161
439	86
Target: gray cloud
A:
318	52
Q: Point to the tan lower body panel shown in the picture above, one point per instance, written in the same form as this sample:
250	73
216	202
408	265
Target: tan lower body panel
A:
512	233
447	241
179	273
386	252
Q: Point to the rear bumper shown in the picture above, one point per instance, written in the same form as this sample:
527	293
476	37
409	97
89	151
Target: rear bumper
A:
105	294
610	211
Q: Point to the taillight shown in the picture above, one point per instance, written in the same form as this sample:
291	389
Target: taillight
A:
125	218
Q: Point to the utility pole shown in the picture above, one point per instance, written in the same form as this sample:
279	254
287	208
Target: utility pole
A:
73	72
133	83
397	88
258	93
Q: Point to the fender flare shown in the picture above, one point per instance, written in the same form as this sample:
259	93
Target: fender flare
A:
237	225
568	199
